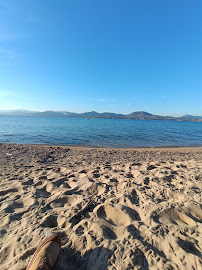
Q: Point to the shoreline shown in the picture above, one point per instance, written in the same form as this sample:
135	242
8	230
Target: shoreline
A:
156	118
160	148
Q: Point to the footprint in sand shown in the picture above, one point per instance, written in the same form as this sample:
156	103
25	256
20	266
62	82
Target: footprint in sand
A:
28	182
168	178
118	215
12	207
49	221
7	191
41	192
60	202
194	211
127	200
83	171
37	183
109	233
59	182
62	170
79	230
173	216
151	167
136	164
96	175
133	197
189	247
65	201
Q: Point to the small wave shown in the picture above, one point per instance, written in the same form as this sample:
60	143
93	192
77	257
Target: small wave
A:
13	135
81	140
8	135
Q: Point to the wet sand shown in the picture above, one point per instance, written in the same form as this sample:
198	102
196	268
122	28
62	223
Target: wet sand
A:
114	208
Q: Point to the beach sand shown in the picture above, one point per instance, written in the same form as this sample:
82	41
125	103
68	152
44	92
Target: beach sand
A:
114	208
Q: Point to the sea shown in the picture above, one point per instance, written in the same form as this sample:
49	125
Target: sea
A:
115	133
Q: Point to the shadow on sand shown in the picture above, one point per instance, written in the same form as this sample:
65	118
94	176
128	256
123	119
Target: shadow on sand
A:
93	259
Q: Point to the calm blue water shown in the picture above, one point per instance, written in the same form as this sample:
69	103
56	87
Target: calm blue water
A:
99	132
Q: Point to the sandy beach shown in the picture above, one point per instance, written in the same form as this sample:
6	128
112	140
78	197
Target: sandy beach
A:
114	208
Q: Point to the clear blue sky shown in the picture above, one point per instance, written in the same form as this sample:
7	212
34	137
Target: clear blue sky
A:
108	55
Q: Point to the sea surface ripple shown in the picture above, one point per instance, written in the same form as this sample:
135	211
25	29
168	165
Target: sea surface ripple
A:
99	132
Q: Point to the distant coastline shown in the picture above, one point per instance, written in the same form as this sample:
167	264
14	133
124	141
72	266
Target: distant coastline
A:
119	133
139	115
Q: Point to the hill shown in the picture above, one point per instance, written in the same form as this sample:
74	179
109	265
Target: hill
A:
139	115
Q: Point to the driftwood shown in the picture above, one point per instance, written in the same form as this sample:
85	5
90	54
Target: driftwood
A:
78	216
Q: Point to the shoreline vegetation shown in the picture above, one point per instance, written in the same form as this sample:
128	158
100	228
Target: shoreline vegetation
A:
140	115
115	208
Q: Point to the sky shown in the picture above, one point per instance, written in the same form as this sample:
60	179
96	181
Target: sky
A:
108	56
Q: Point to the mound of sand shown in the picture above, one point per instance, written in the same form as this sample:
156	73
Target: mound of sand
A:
115	209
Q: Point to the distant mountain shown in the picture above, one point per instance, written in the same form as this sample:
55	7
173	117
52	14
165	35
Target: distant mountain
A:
24	111
17	112
148	116
38	114
140	115
112	115
104	115
92	114
191	116
50	114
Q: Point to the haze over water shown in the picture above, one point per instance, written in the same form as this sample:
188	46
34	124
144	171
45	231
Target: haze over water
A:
99	132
